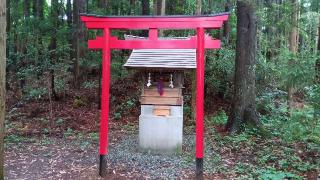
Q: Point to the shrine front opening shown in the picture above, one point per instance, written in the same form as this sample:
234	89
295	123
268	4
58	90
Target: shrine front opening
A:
199	43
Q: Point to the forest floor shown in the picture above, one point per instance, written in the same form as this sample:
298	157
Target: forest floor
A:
59	140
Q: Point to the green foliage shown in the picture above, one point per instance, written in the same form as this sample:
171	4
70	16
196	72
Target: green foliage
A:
220	118
89	84
296	70
302	126
13	138
35	93
94	136
125	107
314	98
267	174
219	71
68	133
80	101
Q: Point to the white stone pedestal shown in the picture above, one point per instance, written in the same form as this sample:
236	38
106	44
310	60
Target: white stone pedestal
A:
158	133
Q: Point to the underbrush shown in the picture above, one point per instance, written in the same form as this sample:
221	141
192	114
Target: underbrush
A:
290	151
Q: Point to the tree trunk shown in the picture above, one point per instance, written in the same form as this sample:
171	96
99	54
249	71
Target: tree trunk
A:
69	23
199	7
293	47
2	82
78	39
159	3
26	8
162	11
163	7
40	9
269	31
243	106
318	60
155	7
8	19
22	44
132	6
145	7
53	44
69	14
317	73
102	3
8	15
226	26
35	8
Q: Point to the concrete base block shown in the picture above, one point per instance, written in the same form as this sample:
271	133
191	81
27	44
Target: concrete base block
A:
158	133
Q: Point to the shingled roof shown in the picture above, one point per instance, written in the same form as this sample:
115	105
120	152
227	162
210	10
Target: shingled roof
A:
161	58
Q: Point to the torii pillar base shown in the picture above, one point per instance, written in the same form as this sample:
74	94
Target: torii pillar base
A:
103	166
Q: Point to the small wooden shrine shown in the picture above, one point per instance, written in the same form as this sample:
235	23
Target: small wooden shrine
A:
161	119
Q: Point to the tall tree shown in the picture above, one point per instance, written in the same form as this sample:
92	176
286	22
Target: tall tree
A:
163	8
199	7
37	11
155	7
53	43
159	7
244	106
22	43
317	75
8	15
160	10
145	6
78	38
318	60
69	14
2	82
37	8
8	12
132	6
102	3
26	8
226	26
69	23
293	47
269	29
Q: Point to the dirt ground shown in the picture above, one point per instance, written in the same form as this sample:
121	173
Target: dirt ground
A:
77	158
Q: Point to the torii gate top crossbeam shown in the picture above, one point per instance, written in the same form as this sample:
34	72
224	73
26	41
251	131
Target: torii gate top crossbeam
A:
153	24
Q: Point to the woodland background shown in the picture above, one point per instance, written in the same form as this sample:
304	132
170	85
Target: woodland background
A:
53	81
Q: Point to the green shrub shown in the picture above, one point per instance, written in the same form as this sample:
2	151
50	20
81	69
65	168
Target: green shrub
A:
220	118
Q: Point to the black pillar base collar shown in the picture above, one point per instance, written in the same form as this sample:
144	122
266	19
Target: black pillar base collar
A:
199	168
103	166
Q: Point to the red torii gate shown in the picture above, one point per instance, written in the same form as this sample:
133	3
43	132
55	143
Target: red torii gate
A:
106	42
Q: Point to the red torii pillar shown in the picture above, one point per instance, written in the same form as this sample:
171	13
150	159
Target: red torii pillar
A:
153	23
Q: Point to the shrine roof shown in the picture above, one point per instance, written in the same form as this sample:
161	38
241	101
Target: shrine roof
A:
161	58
